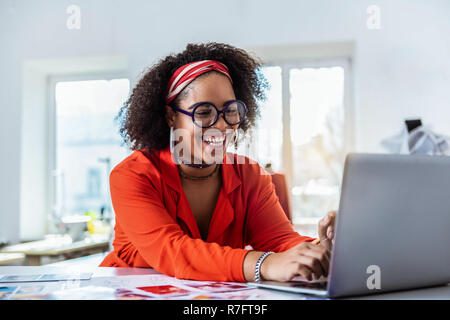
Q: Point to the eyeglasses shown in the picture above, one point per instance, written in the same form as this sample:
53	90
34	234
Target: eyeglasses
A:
206	114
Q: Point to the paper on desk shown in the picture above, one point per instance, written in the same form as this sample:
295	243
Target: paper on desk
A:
162	286
196	290
157	287
105	293
250	294
134	281
12	278
99	293
82	293
7	291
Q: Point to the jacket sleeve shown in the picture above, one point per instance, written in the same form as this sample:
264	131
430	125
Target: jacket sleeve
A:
268	227
161	242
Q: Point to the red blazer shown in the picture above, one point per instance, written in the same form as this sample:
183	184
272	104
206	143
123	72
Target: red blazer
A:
155	226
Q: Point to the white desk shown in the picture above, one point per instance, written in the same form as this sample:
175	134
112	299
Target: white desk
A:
436	293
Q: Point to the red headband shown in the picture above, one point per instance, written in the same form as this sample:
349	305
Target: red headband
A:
187	73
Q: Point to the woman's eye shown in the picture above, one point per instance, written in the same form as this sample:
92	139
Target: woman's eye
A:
203	114
231	112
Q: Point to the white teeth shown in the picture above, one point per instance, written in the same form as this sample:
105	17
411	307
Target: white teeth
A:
214	140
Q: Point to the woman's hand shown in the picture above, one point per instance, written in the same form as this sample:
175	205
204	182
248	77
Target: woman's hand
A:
307	260
326	230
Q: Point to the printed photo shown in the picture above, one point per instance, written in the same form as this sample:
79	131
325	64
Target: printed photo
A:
217	286
164	290
124	294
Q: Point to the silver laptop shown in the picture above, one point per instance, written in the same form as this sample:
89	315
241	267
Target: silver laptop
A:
392	230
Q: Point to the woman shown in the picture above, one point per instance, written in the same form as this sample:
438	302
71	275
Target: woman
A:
184	211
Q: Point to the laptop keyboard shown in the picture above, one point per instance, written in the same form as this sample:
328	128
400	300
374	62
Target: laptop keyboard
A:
317	284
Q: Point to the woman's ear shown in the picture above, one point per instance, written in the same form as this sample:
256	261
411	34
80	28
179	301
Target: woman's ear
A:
170	116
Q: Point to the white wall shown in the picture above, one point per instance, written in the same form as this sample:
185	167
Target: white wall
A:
401	70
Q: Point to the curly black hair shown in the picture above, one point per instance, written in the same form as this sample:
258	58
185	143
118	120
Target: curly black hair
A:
143	116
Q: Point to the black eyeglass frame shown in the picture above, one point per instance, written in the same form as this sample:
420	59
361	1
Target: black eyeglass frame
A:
218	112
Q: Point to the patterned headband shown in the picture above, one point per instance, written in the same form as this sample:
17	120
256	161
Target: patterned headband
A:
189	72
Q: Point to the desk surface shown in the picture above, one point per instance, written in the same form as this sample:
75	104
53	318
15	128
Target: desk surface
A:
436	293
6	258
56	246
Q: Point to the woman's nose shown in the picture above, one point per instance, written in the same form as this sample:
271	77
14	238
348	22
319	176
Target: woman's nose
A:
221	123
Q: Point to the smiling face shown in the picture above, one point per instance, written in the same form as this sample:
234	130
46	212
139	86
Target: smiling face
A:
206	144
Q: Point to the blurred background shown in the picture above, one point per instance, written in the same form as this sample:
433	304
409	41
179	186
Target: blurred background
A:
344	76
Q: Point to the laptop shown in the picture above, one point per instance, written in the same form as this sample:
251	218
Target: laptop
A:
392	230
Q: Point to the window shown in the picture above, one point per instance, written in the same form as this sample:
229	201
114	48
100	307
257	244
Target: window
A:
264	143
317	139
87	144
304	133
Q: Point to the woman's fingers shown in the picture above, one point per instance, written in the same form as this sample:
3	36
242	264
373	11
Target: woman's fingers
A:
330	228
320	253
326	229
326	224
330	232
323	225
318	249
322	256
313	264
305	273
308	260
316	255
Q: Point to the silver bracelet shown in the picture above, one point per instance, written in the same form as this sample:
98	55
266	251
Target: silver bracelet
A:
258	264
